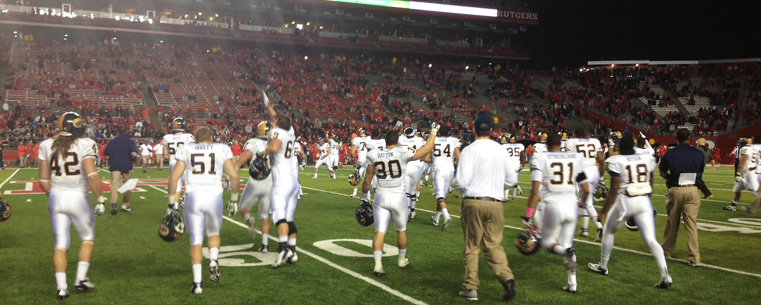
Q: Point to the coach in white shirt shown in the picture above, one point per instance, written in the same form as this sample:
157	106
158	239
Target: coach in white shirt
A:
483	174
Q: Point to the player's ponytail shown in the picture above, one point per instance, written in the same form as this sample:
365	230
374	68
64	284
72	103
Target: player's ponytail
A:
61	145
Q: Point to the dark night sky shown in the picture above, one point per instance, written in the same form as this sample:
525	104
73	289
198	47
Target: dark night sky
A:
572	32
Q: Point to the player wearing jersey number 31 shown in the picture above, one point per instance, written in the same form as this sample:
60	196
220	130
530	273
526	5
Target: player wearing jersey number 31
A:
388	165
67	168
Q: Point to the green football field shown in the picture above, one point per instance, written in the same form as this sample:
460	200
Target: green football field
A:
132	265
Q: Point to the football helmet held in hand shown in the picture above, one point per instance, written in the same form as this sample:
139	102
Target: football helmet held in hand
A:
5	210
354	178
172	226
364	213
528	243
601	191
259	167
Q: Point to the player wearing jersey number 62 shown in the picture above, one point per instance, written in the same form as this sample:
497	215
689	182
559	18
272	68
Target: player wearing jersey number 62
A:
388	165
202	164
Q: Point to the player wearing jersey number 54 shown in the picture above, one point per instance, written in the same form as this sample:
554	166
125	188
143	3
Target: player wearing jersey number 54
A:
483	175
67	168
682	167
202	164
388	165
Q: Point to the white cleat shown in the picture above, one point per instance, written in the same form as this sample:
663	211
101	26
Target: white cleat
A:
63	294
214	270
403	264
282	257
197	289
447	222
84	285
293	259
435	221
665	283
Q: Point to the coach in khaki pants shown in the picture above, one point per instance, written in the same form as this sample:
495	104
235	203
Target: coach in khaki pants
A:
682	168
483	174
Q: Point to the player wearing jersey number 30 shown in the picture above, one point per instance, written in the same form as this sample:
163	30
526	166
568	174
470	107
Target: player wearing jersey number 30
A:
202	164
388	165
67	167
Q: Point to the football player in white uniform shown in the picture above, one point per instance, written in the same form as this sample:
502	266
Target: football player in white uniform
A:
643	146
335	148
259	185
299	156
752	173
540	147
517	154
388	165
557	174
743	162
414	170
324	158
631	184
172	143
445	153
285	185
593	164
67	167
360	145
202	164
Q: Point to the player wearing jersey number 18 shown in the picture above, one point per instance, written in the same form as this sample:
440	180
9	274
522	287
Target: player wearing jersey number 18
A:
202	163
388	166
67	168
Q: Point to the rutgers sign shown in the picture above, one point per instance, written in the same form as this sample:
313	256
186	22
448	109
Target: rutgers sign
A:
518	15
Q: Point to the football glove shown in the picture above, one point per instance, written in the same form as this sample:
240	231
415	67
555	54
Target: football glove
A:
435	127
100	208
232	208
171	208
527	222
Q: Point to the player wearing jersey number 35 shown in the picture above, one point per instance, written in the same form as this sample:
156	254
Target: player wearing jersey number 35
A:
202	164
388	165
67	167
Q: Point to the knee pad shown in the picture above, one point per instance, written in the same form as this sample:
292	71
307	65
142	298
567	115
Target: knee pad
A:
292	228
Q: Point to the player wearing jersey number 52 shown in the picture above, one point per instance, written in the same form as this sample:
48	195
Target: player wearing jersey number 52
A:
388	165
67	168
483	175
202	163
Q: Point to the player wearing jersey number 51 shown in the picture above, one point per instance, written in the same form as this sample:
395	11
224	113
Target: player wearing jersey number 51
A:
388	165
67	167
483	175
202	164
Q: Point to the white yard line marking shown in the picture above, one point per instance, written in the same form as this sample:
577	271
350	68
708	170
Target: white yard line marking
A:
582	241
334	265
9	178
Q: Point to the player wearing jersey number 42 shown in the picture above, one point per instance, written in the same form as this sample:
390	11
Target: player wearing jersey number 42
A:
203	163
67	168
388	165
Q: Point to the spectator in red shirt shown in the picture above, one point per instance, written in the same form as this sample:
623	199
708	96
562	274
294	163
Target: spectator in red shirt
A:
22	154
237	150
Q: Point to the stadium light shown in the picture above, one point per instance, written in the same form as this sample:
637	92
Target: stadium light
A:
637	65
430	65
306	57
467	67
612	65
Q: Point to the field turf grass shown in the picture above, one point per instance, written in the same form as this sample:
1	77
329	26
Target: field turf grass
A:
132	265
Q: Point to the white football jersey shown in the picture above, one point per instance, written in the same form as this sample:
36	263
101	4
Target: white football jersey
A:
204	166
750	162
563	145
414	143
443	152
539	148
173	143
587	148
281	160
255	145
633	169
754	154
363	145
335	147
66	172
390	166
324	150
558	172
514	151
379	144
644	151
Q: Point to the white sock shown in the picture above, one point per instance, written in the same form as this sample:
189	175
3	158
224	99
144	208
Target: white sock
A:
292	242
445	212
82	270
282	238
437	215
213	253
246	216
585	222
354	193
265	239
197	273
60	280
377	255
402	254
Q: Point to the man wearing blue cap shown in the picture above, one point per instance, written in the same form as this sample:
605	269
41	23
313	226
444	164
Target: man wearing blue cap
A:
483	174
